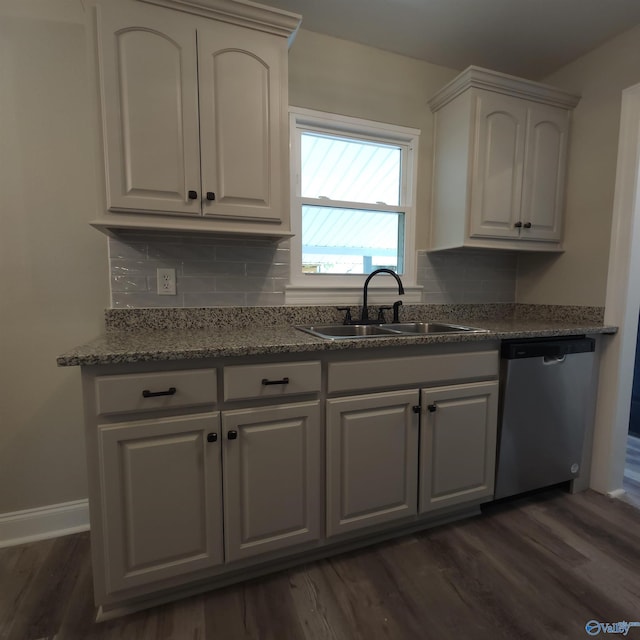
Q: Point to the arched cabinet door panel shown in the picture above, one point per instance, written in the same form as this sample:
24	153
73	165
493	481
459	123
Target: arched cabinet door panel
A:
149	104
240	123
543	187
498	162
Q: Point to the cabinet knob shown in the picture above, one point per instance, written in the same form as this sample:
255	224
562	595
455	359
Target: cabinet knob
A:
193	195
212	437
517	225
432	407
416	408
211	195
232	435
527	225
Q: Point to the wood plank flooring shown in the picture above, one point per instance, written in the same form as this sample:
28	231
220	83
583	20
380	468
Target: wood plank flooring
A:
535	568
631	481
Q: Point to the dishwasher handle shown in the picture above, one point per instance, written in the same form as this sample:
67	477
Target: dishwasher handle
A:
549	360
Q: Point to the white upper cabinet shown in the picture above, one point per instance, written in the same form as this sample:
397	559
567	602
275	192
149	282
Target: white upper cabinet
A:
194	118
149	75
240	124
500	154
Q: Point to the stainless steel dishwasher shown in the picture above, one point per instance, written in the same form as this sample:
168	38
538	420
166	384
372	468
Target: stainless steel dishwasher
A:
544	397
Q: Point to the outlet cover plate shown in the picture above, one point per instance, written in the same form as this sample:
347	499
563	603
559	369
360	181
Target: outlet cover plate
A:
166	282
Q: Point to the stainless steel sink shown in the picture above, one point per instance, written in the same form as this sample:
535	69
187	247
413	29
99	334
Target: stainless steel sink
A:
336	331
350	331
432	327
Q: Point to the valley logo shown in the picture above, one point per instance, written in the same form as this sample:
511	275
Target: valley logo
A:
593	627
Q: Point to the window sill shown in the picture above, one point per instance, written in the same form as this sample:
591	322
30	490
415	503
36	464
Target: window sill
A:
377	295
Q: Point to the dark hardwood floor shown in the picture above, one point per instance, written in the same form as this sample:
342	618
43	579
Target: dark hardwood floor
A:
535	568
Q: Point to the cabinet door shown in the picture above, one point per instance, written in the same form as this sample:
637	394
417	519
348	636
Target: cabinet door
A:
457	444
544	173
149	102
271	478
161	483
372	446
497	165
242	122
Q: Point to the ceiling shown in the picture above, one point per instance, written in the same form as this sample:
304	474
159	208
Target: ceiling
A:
529	38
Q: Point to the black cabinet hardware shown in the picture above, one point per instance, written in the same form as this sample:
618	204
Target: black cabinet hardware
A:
212	437
416	408
266	382
232	435
432	407
154	394
517	225
527	225
211	195
193	195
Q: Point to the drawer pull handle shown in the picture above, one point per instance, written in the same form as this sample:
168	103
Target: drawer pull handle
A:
154	394
266	382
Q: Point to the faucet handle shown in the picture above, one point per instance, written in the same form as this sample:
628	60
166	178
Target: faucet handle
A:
396	311
347	317
381	311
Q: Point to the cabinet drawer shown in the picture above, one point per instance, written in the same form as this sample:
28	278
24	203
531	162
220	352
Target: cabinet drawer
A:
271	380
151	391
418	370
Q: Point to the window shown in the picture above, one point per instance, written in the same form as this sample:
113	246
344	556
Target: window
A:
352	204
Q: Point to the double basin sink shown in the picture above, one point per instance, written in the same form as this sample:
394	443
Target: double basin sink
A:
351	331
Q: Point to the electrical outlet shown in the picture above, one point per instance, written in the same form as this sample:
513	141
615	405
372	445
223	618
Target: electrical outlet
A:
166	282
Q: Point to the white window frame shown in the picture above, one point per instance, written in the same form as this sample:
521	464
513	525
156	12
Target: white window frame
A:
347	288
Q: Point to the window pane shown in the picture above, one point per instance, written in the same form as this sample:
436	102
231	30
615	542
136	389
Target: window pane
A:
352	241
347	169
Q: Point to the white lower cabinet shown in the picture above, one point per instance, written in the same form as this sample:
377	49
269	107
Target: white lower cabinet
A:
271	459
457	444
163	499
214	473
382	466
161	483
372	463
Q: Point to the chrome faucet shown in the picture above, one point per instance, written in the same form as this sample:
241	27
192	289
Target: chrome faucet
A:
365	311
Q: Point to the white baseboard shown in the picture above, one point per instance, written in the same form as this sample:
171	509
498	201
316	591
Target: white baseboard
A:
19	527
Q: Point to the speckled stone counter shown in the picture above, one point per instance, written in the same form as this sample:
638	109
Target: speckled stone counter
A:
139	335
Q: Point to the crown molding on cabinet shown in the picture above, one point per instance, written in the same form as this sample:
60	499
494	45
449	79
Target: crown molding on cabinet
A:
502	83
240	12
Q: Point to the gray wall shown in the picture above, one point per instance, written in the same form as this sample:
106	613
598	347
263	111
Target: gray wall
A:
55	278
579	276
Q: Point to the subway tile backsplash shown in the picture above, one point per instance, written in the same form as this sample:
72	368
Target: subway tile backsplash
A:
233	271
467	276
210	272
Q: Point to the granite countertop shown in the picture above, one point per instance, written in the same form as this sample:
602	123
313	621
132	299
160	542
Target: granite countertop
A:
138	341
